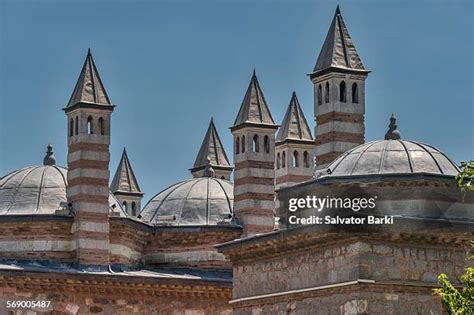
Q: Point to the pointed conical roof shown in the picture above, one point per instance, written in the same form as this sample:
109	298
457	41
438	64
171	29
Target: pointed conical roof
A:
294	125
124	179
212	151
89	87
338	49
254	108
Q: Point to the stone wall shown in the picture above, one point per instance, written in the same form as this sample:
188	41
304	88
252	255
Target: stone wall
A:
193	247
132	243
339	271
97	295
36	238
351	300
343	262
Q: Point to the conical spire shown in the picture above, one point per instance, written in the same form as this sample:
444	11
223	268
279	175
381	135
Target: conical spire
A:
89	87
254	108
294	125
393	133
212	151
338	49
124	179
49	159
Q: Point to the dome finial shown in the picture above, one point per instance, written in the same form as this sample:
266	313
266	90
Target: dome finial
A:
209	171
49	159
393	133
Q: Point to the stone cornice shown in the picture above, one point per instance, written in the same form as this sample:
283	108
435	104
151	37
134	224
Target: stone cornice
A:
300	239
115	284
356	286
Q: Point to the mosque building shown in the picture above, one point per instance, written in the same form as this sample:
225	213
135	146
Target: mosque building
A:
221	241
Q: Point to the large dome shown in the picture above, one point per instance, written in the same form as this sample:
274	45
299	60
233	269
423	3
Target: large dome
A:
38	190
392	157
198	201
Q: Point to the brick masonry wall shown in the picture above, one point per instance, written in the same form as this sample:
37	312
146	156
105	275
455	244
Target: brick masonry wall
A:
172	247
38	240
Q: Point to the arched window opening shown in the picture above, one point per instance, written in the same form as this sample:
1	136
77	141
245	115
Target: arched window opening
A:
306	159
320	95
295	159
134	209
255	144
222	177
243	144
355	93
326	93
266	144
278	161
125	206
90	127
237	145
77	125
283	159
71	127
101	126
342	92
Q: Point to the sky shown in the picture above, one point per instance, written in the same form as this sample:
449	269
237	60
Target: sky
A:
171	65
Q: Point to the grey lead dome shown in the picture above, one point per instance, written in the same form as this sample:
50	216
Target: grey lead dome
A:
392	157
198	201
38	190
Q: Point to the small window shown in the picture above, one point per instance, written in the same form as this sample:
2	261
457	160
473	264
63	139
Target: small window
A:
255	143
237	145
222	177
283	159
278	160
326	93
71	127
90	127
77	125
243	144
306	159
342	91
125	206
355	93
266	144
101	126
134	209
295	159
320	95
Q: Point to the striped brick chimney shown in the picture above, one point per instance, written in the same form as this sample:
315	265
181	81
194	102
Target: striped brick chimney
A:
89	112
339	94
254	158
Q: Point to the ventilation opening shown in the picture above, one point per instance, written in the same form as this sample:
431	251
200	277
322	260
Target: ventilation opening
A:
355	93
295	162
237	145
101	126
342	92
90	127
266	144
255	144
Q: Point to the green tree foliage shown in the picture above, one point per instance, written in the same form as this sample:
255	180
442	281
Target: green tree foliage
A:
465	178
460	302
457	302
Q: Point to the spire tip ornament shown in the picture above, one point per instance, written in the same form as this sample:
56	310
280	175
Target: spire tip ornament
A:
393	133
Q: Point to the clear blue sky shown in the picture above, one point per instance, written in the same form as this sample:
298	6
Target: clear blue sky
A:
170	66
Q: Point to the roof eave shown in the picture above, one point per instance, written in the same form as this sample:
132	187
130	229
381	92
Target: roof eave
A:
108	107
254	125
327	70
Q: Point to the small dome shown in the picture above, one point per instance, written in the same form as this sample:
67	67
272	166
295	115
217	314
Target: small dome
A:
38	190
392	157
198	201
